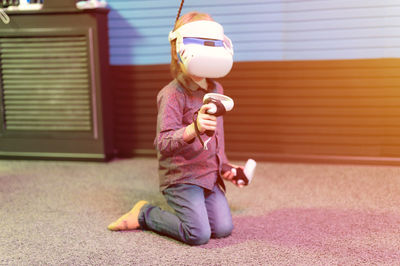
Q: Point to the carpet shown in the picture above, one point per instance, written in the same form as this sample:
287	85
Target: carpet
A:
56	213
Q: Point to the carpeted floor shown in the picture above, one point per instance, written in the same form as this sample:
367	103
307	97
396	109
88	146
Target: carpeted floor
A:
56	213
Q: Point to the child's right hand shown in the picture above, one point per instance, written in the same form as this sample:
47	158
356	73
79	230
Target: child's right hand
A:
206	121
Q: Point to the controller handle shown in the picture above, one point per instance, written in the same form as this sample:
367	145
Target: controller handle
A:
220	104
217	109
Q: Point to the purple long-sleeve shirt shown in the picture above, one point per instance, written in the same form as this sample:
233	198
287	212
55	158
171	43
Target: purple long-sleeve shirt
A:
181	162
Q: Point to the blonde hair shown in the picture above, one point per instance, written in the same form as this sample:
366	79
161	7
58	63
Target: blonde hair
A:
188	17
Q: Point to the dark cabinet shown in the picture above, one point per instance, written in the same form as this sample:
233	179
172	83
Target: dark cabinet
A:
55	97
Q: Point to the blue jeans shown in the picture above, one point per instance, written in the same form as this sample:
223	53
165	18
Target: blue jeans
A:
200	214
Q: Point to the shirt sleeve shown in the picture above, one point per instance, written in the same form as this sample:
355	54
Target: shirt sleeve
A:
170	127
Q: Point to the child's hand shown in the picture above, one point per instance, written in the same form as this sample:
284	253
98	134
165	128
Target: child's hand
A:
206	121
228	175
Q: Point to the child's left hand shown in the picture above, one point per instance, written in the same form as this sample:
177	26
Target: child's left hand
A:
228	175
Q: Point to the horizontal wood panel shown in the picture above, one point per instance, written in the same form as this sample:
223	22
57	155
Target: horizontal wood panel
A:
290	148
379	111
339	108
315	130
319	102
321	120
278	151
136	129
312	139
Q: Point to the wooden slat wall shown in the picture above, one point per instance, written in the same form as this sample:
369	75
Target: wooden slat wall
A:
328	110
309	80
135	110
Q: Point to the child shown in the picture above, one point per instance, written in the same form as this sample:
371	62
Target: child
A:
190	176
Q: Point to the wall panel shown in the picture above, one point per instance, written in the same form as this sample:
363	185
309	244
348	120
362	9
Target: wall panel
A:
342	110
135	110
310	79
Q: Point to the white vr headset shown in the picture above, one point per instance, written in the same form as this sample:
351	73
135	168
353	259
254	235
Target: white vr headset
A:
203	49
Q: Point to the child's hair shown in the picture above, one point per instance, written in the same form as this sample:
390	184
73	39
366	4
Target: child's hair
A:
188	17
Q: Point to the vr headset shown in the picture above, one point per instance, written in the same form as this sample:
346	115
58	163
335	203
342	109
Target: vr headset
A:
203	49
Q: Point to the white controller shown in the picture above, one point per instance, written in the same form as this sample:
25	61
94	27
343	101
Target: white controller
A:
243	177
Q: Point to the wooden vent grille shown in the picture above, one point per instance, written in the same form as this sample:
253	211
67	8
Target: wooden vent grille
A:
45	83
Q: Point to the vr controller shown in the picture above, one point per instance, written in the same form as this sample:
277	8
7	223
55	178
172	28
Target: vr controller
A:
220	105
242	177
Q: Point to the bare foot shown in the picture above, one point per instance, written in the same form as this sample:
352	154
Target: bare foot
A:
129	220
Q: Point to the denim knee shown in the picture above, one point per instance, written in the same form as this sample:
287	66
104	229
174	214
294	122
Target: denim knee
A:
198	236
224	229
